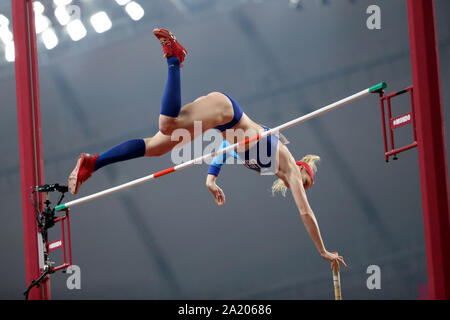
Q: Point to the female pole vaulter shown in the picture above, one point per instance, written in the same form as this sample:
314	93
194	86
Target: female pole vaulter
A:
219	111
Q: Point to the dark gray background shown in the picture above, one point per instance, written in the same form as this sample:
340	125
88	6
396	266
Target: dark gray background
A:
167	239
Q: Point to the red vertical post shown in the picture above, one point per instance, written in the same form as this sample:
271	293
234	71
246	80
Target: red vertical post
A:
391	130
29	127
431	143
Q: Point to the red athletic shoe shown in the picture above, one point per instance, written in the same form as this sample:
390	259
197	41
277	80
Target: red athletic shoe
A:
83	171
171	47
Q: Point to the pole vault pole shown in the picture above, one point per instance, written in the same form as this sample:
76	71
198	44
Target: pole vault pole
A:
431	144
190	163
30	146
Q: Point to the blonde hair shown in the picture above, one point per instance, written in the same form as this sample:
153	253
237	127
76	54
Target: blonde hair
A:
279	186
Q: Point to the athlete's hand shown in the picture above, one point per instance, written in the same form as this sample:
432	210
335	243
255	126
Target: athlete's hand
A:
334	258
217	192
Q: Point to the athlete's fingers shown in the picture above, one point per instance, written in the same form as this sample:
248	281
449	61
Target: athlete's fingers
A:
223	196
217	196
220	199
221	193
216	200
336	263
334	267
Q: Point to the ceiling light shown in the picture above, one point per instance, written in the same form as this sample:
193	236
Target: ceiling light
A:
134	10
6	35
49	38
62	2
38	8
122	2
41	23
4	21
76	29
9	52
101	22
62	15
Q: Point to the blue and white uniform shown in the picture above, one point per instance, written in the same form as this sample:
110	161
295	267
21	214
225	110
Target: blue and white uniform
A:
260	158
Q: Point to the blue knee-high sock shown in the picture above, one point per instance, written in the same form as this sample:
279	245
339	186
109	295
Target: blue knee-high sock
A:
171	101
125	151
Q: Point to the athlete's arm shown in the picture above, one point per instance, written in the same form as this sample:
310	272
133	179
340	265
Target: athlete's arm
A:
290	173
306	213
310	222
213	173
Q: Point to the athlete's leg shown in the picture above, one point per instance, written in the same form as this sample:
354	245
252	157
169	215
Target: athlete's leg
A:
155	146
87	164
160	144
171	100
126	151
212	110
175	54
